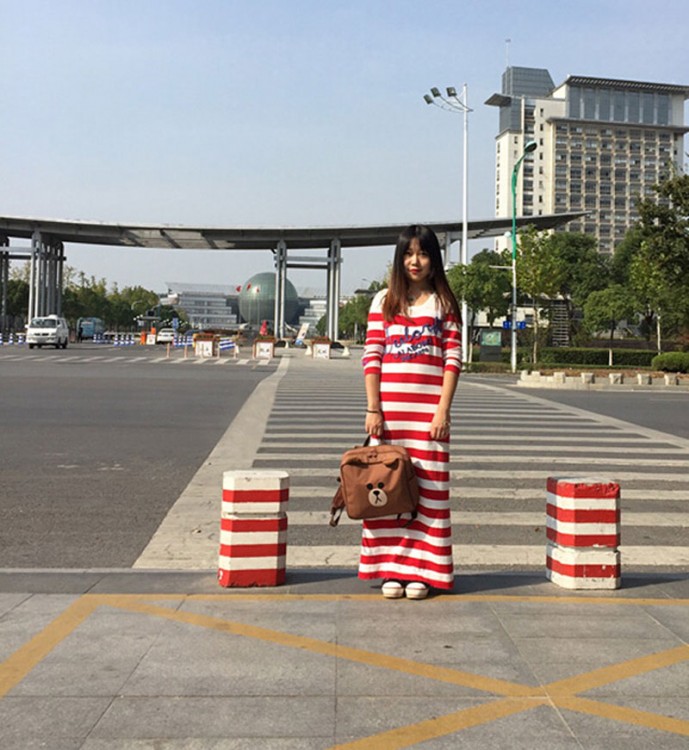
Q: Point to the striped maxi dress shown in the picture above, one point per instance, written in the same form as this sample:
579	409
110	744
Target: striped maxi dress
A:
411	354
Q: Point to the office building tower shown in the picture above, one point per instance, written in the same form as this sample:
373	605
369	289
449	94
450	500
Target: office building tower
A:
601	144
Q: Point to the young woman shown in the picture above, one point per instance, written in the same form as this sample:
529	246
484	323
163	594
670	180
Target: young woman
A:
411	363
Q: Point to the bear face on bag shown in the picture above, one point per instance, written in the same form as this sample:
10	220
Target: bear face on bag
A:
376	494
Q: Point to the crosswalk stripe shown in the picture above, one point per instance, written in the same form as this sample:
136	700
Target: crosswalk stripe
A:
502	493
324	556
471	473
462	454
504	518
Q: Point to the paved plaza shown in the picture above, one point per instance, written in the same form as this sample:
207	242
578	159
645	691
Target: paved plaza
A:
158	656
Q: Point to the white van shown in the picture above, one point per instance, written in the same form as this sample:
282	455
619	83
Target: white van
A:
50	330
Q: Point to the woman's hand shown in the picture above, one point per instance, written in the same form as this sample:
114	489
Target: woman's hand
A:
374	423
440	426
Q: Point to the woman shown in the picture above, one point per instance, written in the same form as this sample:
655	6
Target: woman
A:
412	360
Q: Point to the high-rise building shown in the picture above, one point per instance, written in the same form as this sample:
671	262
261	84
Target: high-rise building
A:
601	144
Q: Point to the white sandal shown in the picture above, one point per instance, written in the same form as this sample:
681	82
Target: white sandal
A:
392	590
416	590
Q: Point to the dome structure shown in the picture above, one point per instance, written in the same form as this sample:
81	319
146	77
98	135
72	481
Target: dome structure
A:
257	299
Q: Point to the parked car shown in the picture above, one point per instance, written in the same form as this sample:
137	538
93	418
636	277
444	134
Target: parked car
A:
165	336
49	330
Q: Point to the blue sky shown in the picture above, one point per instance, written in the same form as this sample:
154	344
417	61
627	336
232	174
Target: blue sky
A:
281	112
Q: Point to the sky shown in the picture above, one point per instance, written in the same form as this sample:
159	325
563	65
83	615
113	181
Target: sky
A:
267	113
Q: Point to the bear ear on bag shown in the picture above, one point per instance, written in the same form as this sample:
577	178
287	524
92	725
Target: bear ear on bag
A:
381	466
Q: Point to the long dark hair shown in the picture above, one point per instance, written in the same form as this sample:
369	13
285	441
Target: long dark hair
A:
395	302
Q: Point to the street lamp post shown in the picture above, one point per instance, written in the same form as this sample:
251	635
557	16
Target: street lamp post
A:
454	102
529	148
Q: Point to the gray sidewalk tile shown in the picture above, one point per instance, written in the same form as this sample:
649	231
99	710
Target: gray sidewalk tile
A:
675	619
611	622
540	728
209	743
597	733
218	664
362	716
670	682
313	619
30	615
47	719
556	659
268	715
95	660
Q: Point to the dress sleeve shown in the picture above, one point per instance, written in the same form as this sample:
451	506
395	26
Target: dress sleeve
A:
375	336
452	344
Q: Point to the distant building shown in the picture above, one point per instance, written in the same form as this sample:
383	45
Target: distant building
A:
601	143
226	306
206	305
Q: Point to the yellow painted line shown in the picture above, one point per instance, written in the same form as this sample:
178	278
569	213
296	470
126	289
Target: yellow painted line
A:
572	599
229	595
14	669
443	725
623	714
370	658
631	668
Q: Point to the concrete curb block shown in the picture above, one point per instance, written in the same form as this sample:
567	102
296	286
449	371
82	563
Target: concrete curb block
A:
589	381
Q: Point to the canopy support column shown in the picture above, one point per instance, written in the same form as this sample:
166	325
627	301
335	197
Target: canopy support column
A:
333	292
280	288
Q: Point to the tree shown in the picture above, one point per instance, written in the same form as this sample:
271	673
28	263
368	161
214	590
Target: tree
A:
17	297
353	316
653	258
659	298
540	274
604	308
483	287
583	270
664	222
85	298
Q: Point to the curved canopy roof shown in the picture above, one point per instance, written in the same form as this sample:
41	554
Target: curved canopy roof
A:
256	238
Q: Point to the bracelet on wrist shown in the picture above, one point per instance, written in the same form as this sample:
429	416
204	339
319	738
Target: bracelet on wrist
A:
373	411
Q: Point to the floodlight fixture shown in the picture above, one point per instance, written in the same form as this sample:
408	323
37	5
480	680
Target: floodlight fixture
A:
451	91
435	91
428	98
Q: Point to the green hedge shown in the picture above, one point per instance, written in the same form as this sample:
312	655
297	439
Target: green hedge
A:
488	367
671	362
564	356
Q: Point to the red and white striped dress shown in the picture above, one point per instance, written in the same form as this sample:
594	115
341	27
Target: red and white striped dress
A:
411	354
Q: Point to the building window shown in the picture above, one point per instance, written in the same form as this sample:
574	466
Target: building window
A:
632	106
647	113
618	107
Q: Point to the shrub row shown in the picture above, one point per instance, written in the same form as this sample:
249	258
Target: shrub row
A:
596	357
671	362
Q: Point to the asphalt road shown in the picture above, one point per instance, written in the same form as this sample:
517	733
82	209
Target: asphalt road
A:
664	410
94	454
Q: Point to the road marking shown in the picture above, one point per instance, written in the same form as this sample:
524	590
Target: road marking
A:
461	518
503	493
318	472
515	697
22	661
464	458
337	448
345	556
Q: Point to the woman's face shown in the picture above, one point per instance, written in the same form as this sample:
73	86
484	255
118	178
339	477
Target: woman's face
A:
417	263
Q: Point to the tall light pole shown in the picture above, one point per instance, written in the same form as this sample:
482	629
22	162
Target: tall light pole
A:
454	102
529	148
